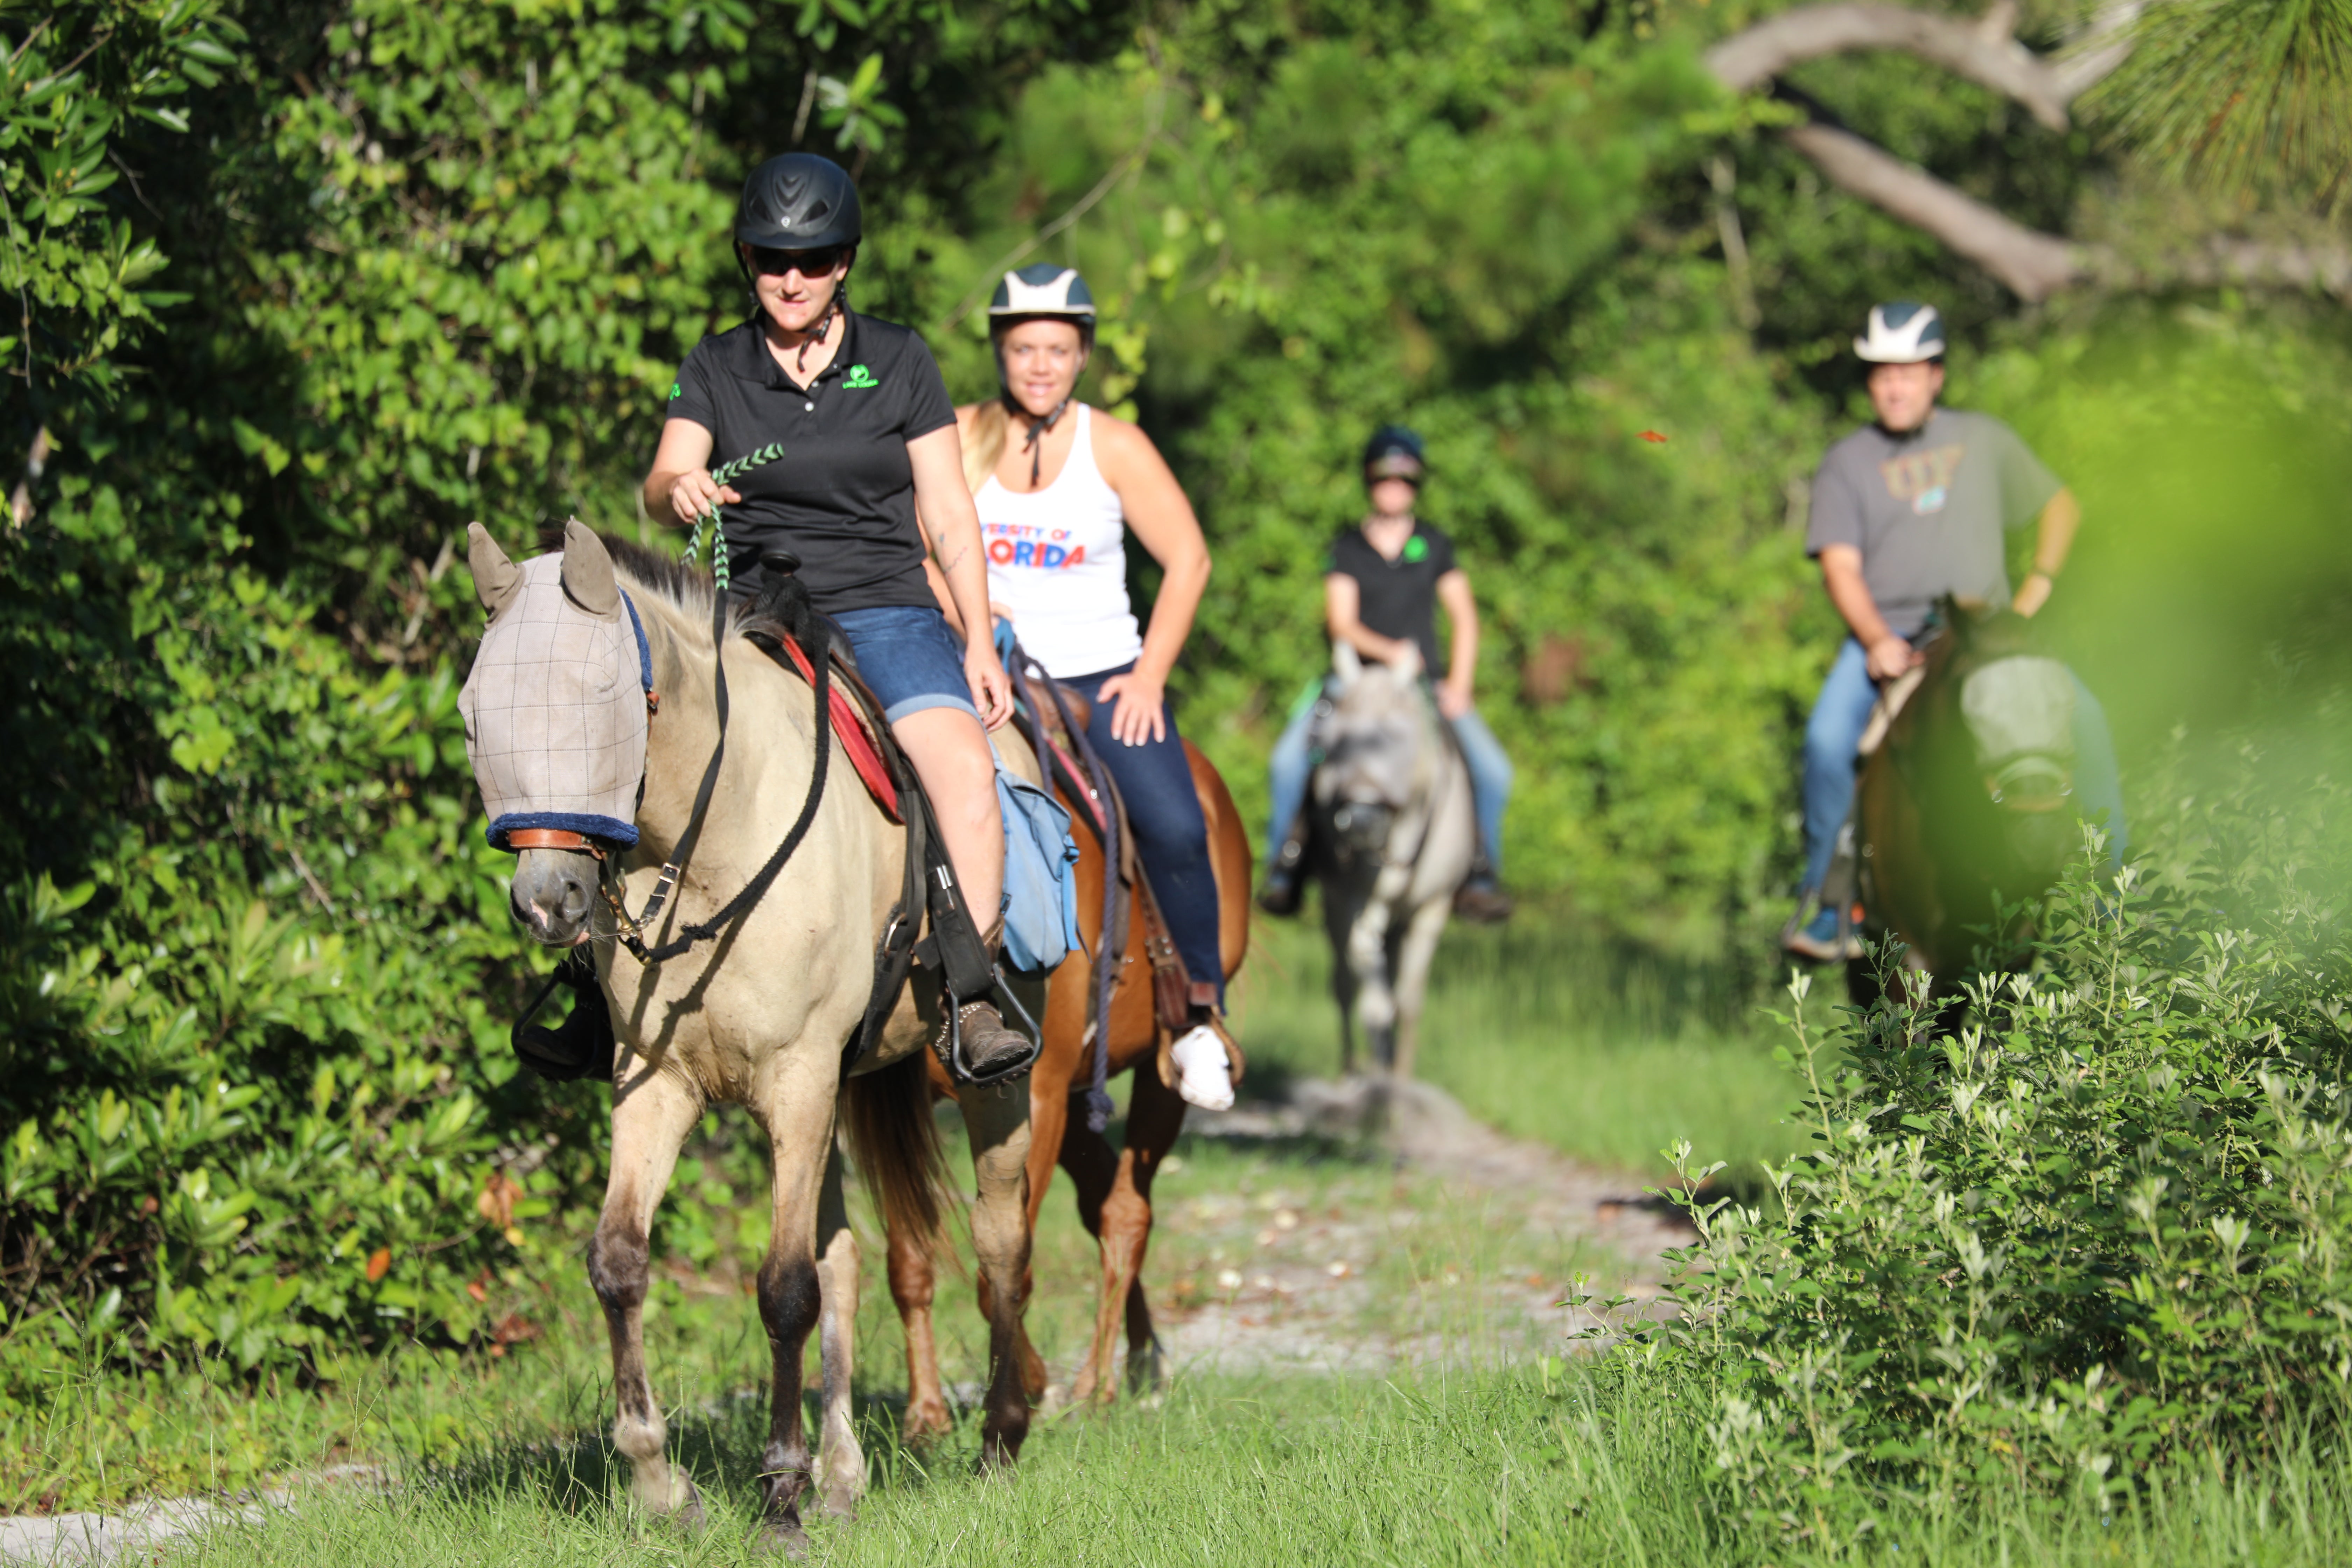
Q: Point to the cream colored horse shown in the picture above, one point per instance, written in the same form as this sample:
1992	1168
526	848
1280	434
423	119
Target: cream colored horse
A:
757	1017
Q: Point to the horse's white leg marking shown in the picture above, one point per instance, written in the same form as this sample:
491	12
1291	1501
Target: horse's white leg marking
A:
1420	936
841	1465
997	1119
1367	958
652	1114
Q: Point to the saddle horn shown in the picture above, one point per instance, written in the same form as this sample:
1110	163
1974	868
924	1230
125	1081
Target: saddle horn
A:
496	579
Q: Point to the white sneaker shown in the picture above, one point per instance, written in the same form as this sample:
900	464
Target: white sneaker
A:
1203	1075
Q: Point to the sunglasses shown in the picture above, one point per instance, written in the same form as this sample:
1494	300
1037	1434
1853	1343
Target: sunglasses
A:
807	263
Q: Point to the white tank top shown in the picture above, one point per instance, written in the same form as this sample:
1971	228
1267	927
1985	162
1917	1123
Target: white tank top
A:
1057	560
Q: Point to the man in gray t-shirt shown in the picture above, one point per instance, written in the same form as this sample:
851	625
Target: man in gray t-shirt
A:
1906	510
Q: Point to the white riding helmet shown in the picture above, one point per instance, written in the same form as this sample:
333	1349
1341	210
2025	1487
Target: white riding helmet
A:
1042	288
1902	332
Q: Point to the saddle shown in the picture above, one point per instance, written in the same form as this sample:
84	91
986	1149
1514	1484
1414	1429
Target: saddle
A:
1055	728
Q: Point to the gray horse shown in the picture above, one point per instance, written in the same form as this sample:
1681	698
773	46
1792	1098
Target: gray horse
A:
1394	834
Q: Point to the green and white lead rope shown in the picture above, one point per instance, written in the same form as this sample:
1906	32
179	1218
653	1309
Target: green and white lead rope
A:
708	523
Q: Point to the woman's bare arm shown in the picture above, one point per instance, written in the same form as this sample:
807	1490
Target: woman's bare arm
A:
952	526
680	488
1164	524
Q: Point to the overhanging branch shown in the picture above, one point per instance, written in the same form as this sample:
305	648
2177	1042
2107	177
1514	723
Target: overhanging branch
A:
2034	265
1987	56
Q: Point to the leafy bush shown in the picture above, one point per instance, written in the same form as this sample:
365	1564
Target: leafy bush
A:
2101	1220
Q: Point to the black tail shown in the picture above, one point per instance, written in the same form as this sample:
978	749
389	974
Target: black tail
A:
886	1117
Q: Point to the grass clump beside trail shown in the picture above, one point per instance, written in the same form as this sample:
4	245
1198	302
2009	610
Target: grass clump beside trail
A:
1554	1033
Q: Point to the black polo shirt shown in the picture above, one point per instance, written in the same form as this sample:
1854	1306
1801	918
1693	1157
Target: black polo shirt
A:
1397	598
842	498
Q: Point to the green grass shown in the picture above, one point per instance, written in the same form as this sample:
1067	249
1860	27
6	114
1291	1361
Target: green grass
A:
1548	1465
1553	1034
1492	1442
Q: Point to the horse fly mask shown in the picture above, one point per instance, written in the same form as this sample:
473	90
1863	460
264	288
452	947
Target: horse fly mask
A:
556	704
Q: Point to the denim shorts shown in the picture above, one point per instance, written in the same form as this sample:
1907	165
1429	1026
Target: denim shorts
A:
910	658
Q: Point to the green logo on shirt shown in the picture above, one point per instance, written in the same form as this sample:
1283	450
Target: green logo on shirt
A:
675	391
859	376
1416	549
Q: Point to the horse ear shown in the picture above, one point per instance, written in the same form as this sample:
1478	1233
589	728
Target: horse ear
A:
496	578
1346	663
588	572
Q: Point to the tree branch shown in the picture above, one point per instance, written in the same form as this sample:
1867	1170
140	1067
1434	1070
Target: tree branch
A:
1986	54
2034	265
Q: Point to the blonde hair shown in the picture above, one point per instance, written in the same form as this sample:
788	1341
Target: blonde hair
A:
985	444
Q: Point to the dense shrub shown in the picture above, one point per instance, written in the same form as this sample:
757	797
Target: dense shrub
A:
2102	1219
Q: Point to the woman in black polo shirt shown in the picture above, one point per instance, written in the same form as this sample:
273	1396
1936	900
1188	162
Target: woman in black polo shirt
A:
869	433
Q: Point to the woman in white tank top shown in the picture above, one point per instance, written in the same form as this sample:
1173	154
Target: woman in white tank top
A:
1057	486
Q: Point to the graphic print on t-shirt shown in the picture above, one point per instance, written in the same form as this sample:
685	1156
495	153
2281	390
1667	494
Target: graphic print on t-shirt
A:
1032	545
1924	478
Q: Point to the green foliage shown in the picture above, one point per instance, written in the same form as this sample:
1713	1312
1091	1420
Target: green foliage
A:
2239	93
76	78
2097	1224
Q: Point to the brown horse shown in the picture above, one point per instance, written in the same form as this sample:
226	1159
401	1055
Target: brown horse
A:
1114	1186
568	739
1964	812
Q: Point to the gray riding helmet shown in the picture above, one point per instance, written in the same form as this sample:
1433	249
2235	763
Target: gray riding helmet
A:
799	202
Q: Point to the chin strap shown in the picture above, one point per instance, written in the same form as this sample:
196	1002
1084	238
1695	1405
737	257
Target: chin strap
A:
1035	444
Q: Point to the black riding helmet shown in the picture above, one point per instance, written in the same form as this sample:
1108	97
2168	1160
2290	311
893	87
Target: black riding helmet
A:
1394	452
799	202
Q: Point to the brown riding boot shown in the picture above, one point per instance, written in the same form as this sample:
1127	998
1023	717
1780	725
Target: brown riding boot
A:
1483	902
990	1050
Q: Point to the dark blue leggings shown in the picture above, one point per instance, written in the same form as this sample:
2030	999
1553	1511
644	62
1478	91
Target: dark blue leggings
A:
1172	836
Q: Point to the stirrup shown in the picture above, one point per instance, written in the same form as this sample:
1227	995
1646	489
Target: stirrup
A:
947	1044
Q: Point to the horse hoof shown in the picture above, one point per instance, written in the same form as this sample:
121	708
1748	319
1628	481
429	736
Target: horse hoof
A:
685	1515
925	1423
784	1535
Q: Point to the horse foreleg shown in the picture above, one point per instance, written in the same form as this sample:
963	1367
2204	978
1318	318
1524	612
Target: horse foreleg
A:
1343	976
840	1464
1413	958
1093	1165
1368	956
652	1114
798	1122
1155	1116
997	1120
1049	1122
911	1281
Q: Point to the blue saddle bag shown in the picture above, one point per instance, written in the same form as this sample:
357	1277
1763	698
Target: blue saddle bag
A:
1041	883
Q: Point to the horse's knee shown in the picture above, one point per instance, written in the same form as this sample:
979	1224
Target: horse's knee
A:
619	1268
789	1298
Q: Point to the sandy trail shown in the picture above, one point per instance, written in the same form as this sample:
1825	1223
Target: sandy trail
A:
1457	1249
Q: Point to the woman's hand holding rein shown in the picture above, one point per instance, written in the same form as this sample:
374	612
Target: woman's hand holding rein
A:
694	494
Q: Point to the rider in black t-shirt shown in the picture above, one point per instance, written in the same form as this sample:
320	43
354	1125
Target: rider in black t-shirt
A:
1382	584
869	435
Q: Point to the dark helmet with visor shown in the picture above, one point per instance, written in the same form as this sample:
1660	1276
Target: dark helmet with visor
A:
1394	452
799	202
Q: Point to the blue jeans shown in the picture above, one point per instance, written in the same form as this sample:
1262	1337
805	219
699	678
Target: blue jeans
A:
1292	763
1172	836
908	657
1842	711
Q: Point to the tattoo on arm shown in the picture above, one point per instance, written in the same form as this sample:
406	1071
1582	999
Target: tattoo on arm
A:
951	566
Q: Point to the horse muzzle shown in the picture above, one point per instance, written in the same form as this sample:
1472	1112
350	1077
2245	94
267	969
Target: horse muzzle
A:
552	893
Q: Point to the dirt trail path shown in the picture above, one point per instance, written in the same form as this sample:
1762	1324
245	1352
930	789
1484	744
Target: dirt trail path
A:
1457	1245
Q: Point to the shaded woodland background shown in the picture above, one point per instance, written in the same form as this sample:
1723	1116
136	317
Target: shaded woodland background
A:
303	288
